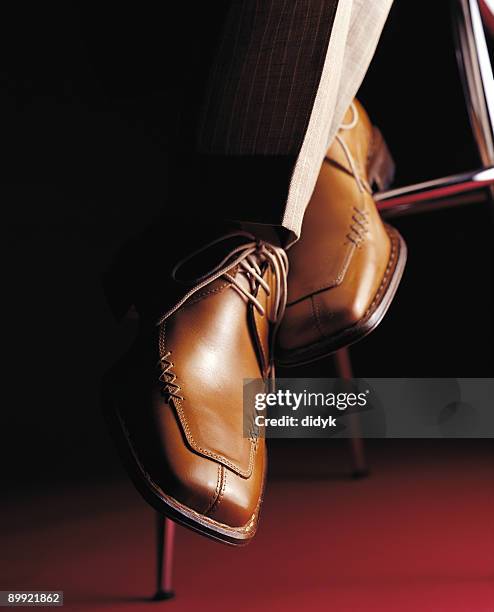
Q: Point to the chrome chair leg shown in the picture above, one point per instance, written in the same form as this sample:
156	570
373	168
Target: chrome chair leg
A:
165	542
477	78
476	73
455	190
344	370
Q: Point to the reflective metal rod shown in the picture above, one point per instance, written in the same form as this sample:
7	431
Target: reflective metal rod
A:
402	198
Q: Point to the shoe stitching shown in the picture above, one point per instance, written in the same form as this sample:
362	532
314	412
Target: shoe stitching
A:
243	529
221	494
394	250
392	257
316	316
214	497
360	237
177	404
204	451
330	284
201	296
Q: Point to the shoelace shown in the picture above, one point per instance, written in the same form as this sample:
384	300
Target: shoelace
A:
346	150
249	257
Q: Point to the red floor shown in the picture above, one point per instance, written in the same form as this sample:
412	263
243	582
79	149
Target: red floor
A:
418	535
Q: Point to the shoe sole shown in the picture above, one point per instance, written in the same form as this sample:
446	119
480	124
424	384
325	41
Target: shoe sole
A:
158	499
367	324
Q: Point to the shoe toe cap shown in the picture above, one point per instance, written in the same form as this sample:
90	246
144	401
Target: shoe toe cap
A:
198	483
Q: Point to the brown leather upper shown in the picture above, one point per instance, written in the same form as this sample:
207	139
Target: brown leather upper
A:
194	449
338	265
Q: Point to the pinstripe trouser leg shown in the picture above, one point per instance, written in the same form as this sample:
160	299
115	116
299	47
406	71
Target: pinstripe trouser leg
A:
354	39
283	75
261	87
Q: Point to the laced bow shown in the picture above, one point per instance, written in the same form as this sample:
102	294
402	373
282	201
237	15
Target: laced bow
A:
346	150
248	258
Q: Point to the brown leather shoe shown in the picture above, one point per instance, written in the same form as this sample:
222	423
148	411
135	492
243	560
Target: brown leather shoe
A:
346	267
175	406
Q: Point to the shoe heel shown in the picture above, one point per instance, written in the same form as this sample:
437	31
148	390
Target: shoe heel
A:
380	166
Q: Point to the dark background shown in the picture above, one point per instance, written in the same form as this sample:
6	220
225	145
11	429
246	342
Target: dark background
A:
87	105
